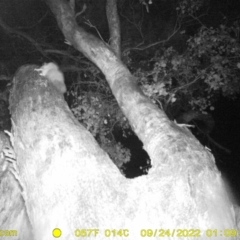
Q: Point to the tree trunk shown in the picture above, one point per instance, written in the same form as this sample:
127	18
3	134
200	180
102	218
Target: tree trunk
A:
114	27
70	183
175	153
67	180
14	222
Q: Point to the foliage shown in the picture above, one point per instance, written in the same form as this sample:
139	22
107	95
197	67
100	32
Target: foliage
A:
117	152
207	69
97	110
189	7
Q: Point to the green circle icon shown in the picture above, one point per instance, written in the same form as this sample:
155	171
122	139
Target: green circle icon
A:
56	232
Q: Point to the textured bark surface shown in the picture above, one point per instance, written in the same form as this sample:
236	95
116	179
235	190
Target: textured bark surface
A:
55	156
13	217
194	193
70	183
114	27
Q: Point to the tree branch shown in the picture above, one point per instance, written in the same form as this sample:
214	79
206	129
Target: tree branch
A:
114	26
14	31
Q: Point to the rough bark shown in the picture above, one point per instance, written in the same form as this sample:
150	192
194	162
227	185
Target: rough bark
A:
174	151
70	183
114	27
62	170
14	222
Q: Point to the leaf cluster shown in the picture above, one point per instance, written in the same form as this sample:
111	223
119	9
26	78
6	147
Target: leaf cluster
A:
208	68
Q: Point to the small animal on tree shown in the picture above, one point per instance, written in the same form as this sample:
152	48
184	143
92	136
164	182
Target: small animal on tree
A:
52	72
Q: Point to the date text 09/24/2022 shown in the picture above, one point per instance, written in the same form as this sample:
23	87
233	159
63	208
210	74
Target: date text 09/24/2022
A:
161	233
